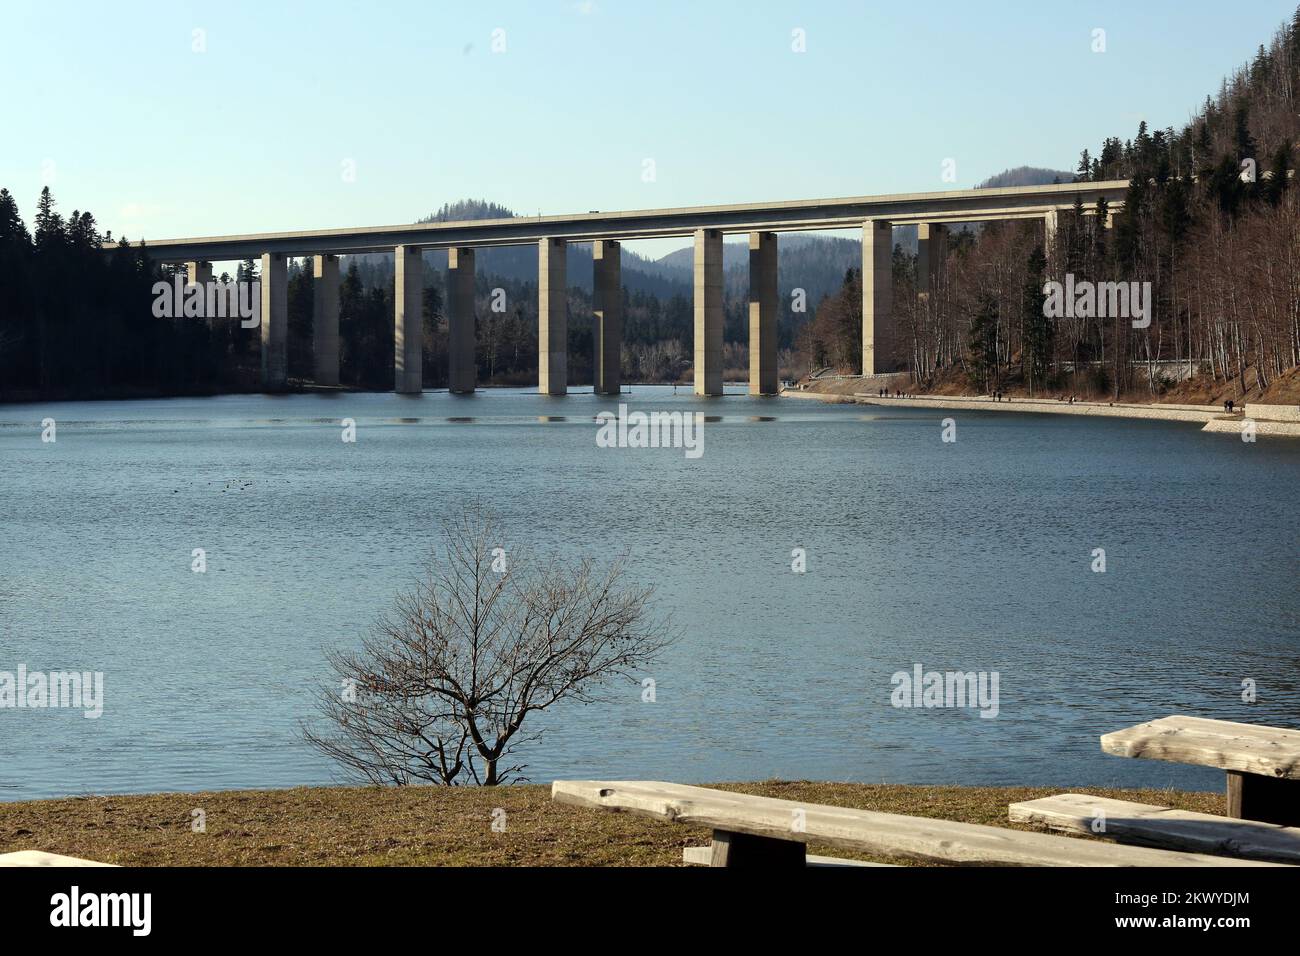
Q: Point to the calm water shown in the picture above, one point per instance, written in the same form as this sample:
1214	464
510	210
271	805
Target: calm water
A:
972	556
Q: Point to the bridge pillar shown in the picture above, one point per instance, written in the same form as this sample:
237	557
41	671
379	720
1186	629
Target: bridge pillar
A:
552	317
275	321
198	273
1050	221
879	346
607	325
462	375
931	254
708	312
763	301
325	319
408	320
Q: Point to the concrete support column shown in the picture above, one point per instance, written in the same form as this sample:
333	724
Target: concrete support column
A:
408	320
275	321
878	333
460	320
931	252
607	325
762	313
198	273
552	317
1051	220
708	312
325	319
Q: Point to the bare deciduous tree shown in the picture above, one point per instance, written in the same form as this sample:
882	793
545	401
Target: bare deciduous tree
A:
440	688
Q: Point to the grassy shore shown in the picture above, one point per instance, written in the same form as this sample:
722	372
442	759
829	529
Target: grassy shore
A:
1202	390
347	826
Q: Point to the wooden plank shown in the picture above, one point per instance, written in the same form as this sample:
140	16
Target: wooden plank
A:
746	850
1245	748
697	855
40	858
867	831
1162	827
1268	799
703	856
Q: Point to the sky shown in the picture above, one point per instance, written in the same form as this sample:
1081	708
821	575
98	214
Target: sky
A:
184	119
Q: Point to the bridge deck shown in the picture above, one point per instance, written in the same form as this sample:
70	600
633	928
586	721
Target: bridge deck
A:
964	205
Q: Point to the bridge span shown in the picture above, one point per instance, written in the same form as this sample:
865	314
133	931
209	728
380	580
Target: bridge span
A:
875	215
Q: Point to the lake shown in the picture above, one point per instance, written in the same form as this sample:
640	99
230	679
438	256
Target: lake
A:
975	555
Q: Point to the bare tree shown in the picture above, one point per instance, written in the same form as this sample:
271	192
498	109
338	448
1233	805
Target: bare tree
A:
440	688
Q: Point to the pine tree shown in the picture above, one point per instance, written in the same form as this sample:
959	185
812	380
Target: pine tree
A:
12	228
1174	216
49	224
1242	141
1277	185
984	341
1040	331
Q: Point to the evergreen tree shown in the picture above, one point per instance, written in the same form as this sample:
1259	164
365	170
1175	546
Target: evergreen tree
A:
1040	331
1242	141
983	342
49	224
1277	185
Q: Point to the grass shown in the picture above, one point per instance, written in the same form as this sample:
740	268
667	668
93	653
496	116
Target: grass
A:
427	826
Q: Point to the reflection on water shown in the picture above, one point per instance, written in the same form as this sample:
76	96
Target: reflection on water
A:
970	556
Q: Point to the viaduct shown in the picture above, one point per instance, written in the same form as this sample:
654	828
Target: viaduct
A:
875	215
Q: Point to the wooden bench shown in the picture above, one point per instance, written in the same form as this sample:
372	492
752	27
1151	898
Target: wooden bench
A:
1262	763
703	856
41	858
764	831
1150	825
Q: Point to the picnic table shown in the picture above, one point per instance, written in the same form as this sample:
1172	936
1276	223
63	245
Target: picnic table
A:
753	831
1262	763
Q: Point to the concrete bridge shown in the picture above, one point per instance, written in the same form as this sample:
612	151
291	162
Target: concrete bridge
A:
875	215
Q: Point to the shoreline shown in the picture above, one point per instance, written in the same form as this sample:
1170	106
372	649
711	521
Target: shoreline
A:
1270	420
454	826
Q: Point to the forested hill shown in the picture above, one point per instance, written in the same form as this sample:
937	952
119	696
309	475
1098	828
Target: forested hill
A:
1026	176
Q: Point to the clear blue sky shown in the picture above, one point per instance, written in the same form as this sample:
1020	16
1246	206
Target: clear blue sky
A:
110	103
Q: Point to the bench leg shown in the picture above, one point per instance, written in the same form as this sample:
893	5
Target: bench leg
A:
744	849
1252	796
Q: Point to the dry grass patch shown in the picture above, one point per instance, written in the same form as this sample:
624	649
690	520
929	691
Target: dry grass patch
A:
436	826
